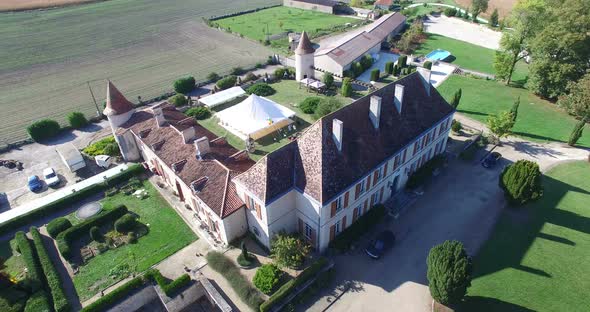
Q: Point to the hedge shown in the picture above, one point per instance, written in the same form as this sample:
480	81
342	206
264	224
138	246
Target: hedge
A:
43	129
375	74
389	68
224	266
344	240
310	104
199	113
66	237
261	89
57	226
291	285
178	100
60	303
48	209
34	271
267	277
109	299
227	82
106	146
125	223
38	302
168	288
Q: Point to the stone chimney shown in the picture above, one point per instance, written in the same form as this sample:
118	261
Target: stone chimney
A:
425	74
159	116
375	111
398	97
337	127
202	147
188	134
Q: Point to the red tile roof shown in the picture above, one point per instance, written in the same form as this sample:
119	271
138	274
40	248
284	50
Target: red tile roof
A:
213	173
116	103
313	164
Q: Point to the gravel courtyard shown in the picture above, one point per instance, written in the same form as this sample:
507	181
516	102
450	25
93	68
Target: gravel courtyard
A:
461	30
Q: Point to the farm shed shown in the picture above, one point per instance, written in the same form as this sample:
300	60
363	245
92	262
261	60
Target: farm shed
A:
255	117
71	157
222	97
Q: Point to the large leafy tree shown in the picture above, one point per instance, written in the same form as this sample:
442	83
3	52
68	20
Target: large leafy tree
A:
577	103
526	18
521	182
288	250
449	272
562	49
479	6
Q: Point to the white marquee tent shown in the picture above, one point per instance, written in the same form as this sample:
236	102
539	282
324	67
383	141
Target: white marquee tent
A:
222	96
255	117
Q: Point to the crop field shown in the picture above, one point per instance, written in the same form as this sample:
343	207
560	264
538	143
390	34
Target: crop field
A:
279	20
46	57
16	5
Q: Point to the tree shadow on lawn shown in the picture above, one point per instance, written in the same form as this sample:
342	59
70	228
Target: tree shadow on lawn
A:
463	111
533	149
484	304
516	237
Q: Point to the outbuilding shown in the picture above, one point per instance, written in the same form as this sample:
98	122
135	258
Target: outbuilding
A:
71	157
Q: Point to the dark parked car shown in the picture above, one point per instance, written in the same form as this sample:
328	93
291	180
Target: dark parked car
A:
380	245
491	160
34	183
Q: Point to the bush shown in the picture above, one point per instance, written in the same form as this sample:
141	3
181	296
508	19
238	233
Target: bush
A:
261	89
344	240
310	104
102	303
213	77
43	129
375	75
57	226
396	70
328	80
326	106
25	219
227	82
38	302
132	237
199	113
389	68
456	126
106	146
76	120
223	265
125	223
64	238
288	250
250	77
449	272
267	277
280	73
169	288
521	182
425	172
366	61
34	271
60	303
178	100
184	85
402	61
236	71
428	65
95	234
450	12
357	69
346	88
290	286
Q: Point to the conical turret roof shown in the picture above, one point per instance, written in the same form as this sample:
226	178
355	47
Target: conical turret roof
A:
305	46
116	104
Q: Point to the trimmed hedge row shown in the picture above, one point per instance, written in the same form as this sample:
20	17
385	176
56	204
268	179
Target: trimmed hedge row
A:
344	240
57	226
290	286
38	302
168	288
34	271
224	266
70	199
65	238
109	299
60	303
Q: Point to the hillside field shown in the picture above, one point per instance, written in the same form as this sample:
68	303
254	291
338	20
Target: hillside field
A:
47	56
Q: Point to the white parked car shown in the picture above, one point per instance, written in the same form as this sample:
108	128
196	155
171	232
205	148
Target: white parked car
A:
51	177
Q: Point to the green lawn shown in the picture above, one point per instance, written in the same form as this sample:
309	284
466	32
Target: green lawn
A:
254	25
467	55
538	120
288	94
14	263
537	256
167	234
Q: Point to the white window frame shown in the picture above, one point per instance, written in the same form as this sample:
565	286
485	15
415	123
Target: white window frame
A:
338	227
359	211
339	204
362	188
307	229
252	203
375	198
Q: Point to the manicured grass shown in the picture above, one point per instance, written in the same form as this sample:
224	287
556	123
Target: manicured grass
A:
537	256
288	94
254	25
14	263
467	55
167	234
538	120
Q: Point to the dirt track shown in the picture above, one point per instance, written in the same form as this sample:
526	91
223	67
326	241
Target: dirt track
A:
18	5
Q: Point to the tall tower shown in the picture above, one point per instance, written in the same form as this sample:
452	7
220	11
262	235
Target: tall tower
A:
118	111
304	59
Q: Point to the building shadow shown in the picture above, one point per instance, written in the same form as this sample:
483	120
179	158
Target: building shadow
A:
485	304
63	137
